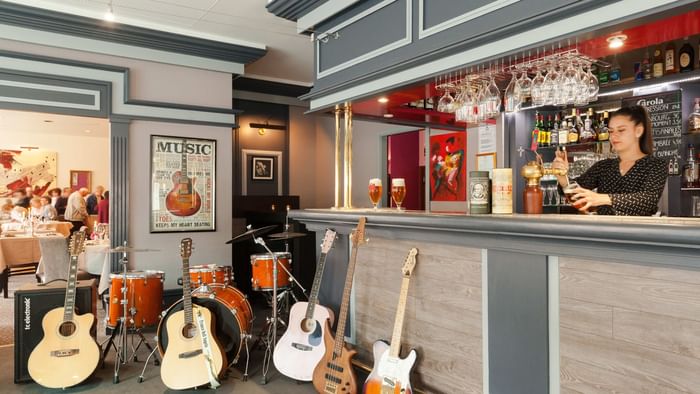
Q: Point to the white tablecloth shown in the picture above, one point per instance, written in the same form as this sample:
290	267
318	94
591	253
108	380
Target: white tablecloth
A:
95	261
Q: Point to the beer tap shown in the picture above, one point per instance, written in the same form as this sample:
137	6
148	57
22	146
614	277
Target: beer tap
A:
533	171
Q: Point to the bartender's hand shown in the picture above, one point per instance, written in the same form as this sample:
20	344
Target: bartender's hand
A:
589	199
561	162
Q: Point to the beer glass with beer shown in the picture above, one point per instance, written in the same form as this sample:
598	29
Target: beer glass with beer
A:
569	194
375	191
398	191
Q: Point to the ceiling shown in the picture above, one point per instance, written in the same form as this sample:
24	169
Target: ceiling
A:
246	22
35	123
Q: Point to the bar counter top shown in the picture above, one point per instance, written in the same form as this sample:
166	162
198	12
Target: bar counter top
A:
590	235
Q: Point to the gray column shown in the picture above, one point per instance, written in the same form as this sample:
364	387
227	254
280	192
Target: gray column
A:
119	188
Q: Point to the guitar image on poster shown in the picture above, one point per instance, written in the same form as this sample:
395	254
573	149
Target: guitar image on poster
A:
183	199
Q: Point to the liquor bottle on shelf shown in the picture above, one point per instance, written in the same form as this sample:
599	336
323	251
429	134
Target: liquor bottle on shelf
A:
573	130
563	131
646	66
549	128
670	65
554	139
658	67
542	131
691	169
686	57
615	71
594	123
535	139
694	118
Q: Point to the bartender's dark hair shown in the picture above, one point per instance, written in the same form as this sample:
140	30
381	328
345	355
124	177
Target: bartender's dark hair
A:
639	115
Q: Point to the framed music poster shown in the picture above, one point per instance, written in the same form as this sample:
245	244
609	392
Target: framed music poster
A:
183	184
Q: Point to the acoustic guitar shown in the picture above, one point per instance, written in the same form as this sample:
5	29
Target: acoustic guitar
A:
334	373
183	199
193	357
301	347
391	374
67	354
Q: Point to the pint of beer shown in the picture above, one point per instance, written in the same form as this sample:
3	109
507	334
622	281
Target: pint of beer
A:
375	191
398	191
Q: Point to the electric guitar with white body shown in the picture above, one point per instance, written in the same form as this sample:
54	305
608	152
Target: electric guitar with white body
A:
391	374
300	349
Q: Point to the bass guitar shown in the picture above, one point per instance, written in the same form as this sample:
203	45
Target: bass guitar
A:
67	354
301	347
193	357
334	373
391	374
183	199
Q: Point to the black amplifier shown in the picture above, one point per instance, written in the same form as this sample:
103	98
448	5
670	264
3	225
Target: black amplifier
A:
32	302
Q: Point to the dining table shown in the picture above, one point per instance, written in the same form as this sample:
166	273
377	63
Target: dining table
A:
51	226
18	249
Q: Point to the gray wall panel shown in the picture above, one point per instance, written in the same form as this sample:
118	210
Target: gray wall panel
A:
44	94
438	11
518	323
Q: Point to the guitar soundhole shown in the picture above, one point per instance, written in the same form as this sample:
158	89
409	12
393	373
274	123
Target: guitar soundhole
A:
67	328
308	325
189	331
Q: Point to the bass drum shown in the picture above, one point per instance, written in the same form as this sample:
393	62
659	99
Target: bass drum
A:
233	315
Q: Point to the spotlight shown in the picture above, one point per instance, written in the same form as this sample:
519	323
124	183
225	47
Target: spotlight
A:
383	100
616	41
109	15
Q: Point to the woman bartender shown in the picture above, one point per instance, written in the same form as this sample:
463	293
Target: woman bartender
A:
632	183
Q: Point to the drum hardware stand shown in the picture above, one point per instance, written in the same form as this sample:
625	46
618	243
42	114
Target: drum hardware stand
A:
153	352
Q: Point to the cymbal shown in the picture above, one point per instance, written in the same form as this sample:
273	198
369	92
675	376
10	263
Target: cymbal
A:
252	232
129	249
285	235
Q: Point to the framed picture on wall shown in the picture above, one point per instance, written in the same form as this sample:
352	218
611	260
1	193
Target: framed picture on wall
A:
80	179
183	184
263	168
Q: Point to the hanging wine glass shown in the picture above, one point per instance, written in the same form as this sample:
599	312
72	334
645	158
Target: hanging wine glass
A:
445	101
461	103
593	86
569	84
511	95
550	86
536	90
493	99
582	86
524	85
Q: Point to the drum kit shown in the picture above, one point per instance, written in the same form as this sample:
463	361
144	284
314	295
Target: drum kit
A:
136	303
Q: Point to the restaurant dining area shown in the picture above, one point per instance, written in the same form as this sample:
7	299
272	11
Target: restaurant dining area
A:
343	197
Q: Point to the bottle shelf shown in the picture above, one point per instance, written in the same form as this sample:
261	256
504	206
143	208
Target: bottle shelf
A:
690	189
572	145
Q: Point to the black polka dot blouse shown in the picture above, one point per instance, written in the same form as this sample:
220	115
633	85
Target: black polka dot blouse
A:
636	193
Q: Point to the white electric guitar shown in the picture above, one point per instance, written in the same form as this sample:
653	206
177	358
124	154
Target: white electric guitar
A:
391	374
302	346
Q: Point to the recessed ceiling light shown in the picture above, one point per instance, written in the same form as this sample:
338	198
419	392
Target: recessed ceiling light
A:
616	41
88	131
383	100
388	115
109	15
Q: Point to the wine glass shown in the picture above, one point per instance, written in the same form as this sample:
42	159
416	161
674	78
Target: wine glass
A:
445	101
375	191
511	96
593	86
398	191
582	93
493	99
536	90
524	85
569	85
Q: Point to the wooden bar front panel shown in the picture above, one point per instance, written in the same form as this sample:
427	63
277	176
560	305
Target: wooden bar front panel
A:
443	311
628	328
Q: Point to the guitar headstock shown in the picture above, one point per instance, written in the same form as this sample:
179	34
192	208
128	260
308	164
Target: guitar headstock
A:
77	243
328	240
410	263
186	248
358	235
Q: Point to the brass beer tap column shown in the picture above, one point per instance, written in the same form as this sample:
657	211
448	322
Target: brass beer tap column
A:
533	171
338	157
347	178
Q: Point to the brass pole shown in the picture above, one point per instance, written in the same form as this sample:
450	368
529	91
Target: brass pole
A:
338	159
347	198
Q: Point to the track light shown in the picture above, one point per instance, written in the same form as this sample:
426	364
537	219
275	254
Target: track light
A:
109	15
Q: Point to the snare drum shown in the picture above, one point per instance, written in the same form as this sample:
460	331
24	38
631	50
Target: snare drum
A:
201	275
144	291
233	318
262	279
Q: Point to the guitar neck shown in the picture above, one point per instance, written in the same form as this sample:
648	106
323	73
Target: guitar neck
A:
313	297
186	291
69	302
183	158
340	331
398	321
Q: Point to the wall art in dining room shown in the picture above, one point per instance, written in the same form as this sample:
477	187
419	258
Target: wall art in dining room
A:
21	168
183	184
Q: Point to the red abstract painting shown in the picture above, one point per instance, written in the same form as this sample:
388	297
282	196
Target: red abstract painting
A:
448	172
19	169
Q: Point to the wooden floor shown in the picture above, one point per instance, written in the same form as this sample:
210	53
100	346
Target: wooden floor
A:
628	328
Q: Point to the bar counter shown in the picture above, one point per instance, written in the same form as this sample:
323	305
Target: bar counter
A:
526	303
